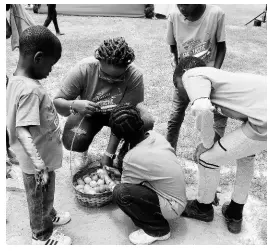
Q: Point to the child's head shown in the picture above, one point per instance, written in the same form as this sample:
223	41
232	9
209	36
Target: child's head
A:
188	10
39	49
184	65
126	123
114	55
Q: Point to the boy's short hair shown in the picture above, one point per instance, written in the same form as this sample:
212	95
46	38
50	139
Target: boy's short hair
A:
186	64
126	123
39	38
115	51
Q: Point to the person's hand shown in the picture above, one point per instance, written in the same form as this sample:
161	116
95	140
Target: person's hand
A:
85	107
106	161
113	170
199	150
42	179
201	105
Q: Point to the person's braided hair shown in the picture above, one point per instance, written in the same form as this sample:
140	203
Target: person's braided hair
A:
115	51
126	123
39	38
186	64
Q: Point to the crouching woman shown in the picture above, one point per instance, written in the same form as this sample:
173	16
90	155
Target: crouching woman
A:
152	188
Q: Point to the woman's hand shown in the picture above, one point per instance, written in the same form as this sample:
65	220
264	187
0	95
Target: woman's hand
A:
85	107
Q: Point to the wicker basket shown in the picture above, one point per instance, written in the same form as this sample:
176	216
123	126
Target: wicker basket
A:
90	200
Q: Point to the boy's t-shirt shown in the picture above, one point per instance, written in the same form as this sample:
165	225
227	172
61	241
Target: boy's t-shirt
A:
28	104
241	96
198	38
153	162
83	80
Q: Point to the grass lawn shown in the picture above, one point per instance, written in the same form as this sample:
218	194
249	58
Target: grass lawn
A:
246	52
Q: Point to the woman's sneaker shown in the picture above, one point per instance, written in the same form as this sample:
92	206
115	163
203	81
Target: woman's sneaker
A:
139	237
61	218
55	239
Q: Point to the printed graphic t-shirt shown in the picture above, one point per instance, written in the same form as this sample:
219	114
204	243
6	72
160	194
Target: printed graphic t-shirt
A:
83	80
198	38
241	96
28	104
153	162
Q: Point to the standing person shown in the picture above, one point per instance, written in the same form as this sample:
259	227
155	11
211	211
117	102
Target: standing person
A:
240	96
195	30
52	16
104	81
152	188
33	126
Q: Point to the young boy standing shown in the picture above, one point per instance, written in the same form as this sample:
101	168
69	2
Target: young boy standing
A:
195	30
33	126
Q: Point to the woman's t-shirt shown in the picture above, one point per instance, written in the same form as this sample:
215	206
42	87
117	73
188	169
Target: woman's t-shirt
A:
83	80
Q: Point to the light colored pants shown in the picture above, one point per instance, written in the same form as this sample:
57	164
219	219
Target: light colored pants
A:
233	146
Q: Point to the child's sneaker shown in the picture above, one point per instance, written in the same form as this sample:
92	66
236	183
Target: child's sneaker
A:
61	218
139	237
234	226
55	239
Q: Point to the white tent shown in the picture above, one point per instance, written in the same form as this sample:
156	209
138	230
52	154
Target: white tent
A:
164	9
123	10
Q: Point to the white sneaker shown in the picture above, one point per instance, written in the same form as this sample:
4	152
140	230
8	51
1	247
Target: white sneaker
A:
61	218
55	239
139	237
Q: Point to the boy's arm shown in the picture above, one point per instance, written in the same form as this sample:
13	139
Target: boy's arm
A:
26	140
221	51
171	40
173	49
220	38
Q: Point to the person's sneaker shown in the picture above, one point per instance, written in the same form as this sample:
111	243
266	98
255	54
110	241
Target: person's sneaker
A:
56	238
192	211
61	218
234	226
139	237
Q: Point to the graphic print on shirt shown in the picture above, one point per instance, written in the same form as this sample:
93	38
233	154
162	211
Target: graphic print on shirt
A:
197	48
108	101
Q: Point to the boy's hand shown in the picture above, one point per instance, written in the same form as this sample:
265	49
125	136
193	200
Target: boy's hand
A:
113	170
85	107
42	179
201	105
199	150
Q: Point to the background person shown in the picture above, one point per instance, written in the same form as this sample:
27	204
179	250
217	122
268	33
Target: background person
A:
52	16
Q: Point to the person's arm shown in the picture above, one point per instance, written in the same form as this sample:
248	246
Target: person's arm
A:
65	107
111	149
26	140
65	100
171	40
221	51
220	38
173	49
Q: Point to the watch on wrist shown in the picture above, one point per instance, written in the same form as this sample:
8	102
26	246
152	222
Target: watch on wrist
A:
110	155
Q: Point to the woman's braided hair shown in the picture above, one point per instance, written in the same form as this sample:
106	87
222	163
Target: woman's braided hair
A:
126	123
186	64
115	51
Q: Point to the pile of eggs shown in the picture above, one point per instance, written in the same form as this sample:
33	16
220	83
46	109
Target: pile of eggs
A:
94	183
